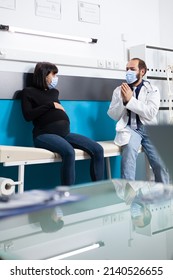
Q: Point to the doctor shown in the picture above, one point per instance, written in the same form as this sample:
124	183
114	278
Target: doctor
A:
135	104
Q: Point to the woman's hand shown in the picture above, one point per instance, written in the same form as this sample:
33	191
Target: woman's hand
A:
58	106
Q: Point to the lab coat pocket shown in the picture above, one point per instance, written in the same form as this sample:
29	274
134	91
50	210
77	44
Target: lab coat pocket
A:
122	137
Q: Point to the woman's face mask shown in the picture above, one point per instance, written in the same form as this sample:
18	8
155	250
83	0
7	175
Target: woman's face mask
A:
131	76
53	83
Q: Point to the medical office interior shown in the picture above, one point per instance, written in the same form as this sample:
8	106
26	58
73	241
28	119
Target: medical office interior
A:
90	42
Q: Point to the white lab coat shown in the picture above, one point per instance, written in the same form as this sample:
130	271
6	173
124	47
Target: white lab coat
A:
146	106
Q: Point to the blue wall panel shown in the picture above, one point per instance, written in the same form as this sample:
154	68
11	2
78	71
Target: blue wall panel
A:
87	117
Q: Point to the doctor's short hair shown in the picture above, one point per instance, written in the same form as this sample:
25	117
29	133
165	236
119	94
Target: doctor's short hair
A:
141	64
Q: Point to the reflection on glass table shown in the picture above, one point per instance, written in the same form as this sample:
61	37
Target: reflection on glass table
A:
115	219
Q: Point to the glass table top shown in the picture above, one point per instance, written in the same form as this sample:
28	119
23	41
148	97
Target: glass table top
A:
114	219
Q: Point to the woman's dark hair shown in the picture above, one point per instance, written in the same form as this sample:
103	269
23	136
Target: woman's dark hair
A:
42	69
141	64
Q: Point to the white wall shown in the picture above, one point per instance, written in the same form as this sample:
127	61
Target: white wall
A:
166	23
134	19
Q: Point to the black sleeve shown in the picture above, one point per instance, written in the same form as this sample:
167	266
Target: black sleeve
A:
30	112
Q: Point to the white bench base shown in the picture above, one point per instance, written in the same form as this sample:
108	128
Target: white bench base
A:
21	156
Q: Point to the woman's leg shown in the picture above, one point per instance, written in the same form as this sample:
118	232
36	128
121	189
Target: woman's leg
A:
57	144
93	149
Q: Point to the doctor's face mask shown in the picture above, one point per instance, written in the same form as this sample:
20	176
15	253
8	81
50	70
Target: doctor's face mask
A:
131	76
135	70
